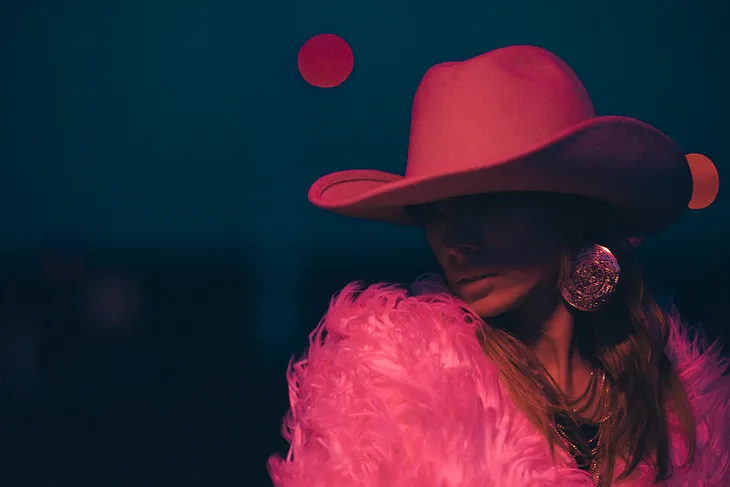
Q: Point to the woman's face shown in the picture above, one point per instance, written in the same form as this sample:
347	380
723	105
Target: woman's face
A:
498	250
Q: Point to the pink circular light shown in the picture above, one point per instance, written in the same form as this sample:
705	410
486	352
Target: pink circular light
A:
325	61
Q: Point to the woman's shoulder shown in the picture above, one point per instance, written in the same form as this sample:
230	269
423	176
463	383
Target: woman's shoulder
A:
701	365
702	368
421	310
393	378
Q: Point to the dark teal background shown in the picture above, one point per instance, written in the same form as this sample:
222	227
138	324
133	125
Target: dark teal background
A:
171	144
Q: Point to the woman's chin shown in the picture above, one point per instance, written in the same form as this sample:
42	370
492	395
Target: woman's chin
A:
490	306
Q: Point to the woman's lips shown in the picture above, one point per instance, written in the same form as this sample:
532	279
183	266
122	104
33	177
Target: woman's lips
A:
475	287
471	280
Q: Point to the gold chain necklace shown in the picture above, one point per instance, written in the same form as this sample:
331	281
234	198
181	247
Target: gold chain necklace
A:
593	456
589	390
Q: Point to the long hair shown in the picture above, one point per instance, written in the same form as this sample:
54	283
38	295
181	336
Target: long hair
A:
627	340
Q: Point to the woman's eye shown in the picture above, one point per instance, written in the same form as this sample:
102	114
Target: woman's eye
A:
438	209
428	212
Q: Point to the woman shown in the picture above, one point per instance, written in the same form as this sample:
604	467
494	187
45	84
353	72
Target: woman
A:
539	359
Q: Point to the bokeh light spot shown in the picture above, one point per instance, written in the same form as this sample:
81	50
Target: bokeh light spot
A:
111	303
705	181
325	60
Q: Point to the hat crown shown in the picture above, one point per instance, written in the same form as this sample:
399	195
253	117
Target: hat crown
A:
491	108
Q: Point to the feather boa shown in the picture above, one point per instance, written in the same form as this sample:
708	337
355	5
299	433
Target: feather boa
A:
396	391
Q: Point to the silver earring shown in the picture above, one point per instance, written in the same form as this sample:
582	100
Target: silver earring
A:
592	279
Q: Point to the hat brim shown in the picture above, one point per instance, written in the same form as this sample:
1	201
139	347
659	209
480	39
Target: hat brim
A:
625	162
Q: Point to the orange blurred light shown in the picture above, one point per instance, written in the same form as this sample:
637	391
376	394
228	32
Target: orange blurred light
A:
705	181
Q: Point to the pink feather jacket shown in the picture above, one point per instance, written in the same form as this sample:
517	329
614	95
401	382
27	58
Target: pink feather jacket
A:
396	391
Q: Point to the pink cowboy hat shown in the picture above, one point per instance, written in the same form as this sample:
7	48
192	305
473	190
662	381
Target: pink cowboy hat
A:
518	119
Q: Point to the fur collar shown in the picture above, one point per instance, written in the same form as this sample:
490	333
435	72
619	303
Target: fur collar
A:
396	391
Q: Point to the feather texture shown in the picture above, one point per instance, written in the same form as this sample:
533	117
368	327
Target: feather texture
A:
396	391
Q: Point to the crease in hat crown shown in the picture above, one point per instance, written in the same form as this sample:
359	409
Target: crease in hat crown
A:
491	107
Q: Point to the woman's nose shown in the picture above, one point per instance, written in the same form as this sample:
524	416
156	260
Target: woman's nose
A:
459	240
461	249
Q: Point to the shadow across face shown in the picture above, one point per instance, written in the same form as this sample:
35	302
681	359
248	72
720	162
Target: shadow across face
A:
498	250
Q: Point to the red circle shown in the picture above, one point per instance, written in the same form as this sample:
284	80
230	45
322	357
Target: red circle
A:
705	181
325	60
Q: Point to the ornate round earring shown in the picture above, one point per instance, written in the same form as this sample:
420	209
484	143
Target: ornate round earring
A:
592	279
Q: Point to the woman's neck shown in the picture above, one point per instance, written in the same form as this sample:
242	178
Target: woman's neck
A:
557	351
545	325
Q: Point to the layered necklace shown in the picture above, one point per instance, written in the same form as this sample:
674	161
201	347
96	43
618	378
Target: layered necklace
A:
587	451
